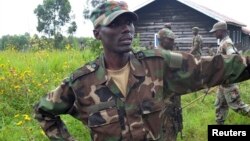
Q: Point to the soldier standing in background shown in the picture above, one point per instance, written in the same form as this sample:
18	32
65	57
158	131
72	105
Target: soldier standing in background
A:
173	121
228	95
120	95
166	39
168	25
196	43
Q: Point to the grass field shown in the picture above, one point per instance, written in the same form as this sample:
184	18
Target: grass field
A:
26	76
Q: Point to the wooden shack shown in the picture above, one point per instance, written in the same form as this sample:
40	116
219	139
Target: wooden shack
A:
183	15
245	45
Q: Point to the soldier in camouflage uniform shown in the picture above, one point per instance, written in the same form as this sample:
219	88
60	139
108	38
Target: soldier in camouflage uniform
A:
172	116
166	39
196	43
168	25
228	95
120	96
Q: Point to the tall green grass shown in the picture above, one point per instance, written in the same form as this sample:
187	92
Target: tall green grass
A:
26	76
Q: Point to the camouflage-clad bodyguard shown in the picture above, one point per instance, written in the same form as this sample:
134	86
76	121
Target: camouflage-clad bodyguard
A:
166	38
228	95
196	43
120	96
172	117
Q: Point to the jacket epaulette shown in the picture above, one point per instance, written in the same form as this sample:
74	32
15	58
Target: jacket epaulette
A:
149	53
174	59
86	69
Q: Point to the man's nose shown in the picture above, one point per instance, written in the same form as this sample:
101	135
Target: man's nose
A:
127	28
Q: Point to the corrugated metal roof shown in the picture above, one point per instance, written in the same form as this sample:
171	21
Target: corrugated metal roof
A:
206	11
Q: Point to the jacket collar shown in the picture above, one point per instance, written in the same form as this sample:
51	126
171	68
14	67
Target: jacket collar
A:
136	69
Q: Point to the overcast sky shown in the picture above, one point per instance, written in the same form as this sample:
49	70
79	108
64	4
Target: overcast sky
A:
17	16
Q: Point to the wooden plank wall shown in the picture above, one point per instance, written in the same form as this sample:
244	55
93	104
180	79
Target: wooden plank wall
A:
153	16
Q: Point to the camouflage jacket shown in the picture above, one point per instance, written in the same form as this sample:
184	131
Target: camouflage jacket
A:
196	45
226	46
91	97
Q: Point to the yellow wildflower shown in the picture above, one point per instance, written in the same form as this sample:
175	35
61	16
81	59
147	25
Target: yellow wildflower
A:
1	91
26	117
46	81
39	84
17	115
2	65
2	78
42	132
19	123
17	87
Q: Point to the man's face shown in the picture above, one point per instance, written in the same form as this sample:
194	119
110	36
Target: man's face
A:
167	43
218	34
195	32
118	35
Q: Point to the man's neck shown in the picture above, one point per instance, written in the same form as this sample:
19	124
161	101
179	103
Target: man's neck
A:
116	61
223	37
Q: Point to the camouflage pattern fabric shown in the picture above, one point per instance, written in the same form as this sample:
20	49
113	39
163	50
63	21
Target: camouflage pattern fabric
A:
166	33
89	96
106	12
197	46
228	96
172	117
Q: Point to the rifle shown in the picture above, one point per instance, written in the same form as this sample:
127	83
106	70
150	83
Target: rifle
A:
202	96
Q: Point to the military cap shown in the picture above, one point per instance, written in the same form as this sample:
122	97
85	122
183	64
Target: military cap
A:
195	28
166	32
106	12
219	26
168	25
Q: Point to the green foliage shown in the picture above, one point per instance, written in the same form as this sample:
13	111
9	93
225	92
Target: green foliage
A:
93	44
52	15
16	42
36	43
72	28
136	43
26	76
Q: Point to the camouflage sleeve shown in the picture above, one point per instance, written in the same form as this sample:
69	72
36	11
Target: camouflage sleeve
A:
48	109
186	74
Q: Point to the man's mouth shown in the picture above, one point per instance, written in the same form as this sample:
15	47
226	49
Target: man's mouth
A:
126	39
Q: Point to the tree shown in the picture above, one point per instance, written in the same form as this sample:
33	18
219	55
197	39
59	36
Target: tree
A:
52	15
89	6
72	28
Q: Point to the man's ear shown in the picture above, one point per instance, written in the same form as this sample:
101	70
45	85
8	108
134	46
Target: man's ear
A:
96	33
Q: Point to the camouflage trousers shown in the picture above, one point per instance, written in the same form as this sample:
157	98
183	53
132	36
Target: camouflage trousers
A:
229	97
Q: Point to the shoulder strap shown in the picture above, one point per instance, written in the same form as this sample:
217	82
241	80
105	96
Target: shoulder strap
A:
148	53
86	69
